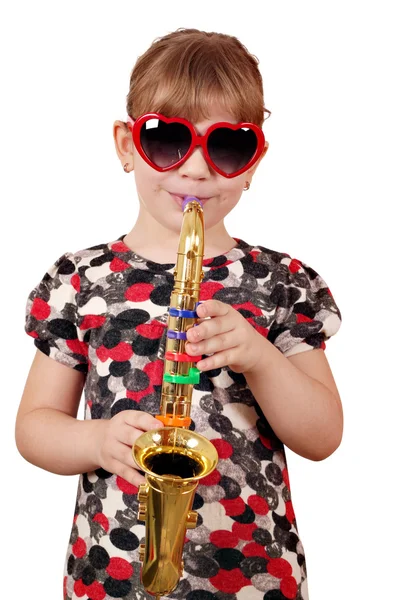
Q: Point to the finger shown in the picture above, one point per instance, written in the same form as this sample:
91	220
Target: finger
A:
130	474
217	361
128	435
210	328
198	321
216	343
123	455
211	308
141	420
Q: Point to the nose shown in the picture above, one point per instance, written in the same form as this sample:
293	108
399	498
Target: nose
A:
195	166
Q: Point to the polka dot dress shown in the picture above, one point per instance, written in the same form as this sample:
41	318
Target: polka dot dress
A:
104	311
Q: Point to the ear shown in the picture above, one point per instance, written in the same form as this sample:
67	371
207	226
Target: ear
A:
251	171
123	142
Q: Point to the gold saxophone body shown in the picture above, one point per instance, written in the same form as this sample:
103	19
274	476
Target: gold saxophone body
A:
174	458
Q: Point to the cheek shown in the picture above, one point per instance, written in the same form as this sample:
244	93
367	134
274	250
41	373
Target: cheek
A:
144	173
223	205
231	192
148	180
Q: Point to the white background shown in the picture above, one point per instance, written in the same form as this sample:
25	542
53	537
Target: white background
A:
326	193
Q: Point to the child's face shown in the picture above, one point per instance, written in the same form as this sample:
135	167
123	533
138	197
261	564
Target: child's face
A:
193	177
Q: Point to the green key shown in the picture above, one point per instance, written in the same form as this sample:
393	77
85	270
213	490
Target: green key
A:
192	378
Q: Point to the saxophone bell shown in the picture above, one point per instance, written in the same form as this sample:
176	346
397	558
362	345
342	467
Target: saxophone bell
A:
174	460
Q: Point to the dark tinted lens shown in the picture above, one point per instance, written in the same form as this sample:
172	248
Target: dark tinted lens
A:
164	143
231	150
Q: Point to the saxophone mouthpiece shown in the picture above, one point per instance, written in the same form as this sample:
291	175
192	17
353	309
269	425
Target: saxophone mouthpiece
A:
190	199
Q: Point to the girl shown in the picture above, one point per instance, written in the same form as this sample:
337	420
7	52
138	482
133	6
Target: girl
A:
99	319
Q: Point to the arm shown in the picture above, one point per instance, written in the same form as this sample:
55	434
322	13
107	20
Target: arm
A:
297	395
47	432
49	436
299	398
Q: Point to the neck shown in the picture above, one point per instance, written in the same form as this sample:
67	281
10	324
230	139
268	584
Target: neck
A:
152	240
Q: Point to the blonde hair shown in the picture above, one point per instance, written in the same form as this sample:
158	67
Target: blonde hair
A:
187	71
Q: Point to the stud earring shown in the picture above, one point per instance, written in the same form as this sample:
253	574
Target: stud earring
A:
247	186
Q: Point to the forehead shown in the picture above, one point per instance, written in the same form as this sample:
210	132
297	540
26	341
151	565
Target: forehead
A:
215	114
202	109
202	126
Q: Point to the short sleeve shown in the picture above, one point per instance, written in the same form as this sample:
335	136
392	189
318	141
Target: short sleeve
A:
51	315
307	314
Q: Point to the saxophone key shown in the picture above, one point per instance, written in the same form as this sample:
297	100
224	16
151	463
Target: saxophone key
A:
193	378
191	519
141	552
142	512
181	357
142	492
182	312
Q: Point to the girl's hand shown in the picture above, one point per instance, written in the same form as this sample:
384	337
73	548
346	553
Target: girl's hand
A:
115	438
228	335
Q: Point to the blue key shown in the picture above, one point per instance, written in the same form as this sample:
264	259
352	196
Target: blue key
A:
176	335
187	314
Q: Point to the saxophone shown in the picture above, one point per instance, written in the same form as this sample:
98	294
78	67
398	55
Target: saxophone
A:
174	458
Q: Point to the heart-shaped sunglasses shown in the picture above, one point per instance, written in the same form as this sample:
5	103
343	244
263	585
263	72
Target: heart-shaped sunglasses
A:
230	149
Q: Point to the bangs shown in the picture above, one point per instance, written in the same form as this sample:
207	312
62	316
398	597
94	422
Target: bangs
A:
192	74
196	103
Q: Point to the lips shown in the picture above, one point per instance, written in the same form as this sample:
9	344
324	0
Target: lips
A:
195	195
179	197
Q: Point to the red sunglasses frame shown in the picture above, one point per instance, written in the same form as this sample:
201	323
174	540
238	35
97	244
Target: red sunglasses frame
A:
197	140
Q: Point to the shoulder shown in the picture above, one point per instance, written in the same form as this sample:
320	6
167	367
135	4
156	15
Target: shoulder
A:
282	268
96	262
306	313
299	296
78	273
287	269
104	250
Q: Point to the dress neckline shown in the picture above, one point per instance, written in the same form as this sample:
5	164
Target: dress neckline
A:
127	254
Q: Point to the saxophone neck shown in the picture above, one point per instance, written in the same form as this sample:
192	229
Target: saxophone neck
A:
189	264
